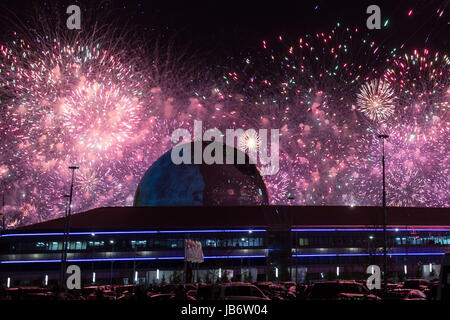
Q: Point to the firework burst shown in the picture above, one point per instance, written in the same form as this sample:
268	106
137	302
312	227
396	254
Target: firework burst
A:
249	141
376	100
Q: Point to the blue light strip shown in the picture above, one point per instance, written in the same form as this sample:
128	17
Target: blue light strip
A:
366	229
219	231
28	261
329	255
130	259
132	232
164	258
235	257
213	231
332	255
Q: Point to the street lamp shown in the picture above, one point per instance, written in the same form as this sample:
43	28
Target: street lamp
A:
67	228
384	137
3	213
290	199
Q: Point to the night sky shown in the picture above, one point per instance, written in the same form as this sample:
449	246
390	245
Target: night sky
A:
108	97
216	28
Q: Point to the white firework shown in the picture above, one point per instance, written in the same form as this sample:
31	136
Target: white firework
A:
249	141
376	100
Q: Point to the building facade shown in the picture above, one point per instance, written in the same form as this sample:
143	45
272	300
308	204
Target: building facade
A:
146	244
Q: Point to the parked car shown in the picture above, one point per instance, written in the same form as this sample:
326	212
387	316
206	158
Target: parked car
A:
290	285
443	289
301	291
161	297
168	296
190	286
282	291
192	293
418	284
356	296
393	286
432	291
273	291
204	292
333	290
27	293
404	294
237	291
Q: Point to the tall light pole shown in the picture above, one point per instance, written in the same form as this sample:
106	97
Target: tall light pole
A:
64	245
67	228
3	213
290	199
383	137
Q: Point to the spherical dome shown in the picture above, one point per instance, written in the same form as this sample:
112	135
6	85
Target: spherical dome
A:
169	184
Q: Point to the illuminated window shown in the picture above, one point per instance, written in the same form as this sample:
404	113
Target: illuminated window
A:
303	242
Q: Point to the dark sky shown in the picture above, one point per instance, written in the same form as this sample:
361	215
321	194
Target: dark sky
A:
226	27
236	24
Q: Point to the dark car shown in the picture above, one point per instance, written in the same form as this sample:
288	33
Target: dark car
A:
418	284
333	290
301	291
204	292
190	286
443	288
356	296
238	291
404	294
273	291
26	293
162	297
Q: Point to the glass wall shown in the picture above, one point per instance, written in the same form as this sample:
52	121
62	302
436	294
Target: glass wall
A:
363	240
155	243
98	243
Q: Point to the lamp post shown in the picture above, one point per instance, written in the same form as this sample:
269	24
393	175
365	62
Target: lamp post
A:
3	213
64	245
384	137
290	199
67	228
